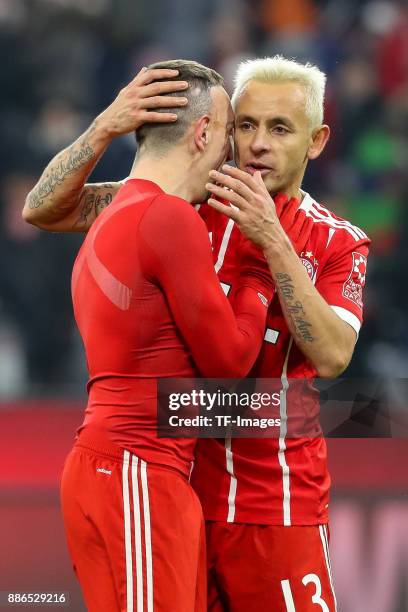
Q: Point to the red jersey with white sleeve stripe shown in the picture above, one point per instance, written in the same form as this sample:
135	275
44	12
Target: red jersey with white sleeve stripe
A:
281	481
148	304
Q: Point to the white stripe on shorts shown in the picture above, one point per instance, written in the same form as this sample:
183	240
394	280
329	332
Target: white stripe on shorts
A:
138	534
325	543
233	481
148	537
128	535
141	512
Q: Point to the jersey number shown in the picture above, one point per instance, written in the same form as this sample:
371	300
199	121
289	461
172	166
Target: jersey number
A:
316	599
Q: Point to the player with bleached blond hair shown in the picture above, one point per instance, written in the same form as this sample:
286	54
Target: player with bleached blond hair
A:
281	70
266	500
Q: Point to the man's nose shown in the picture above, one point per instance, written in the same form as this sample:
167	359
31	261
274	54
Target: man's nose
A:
260	141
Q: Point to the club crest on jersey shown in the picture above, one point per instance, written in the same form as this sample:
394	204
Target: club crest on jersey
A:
353	287
310	262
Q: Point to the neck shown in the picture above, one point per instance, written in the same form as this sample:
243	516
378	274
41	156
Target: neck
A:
172	173
291	192
294	190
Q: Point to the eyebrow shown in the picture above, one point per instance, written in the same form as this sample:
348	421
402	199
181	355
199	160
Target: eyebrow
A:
245	118
272	121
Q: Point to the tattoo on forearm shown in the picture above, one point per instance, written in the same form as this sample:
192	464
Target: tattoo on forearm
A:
90	202
63	167
294	308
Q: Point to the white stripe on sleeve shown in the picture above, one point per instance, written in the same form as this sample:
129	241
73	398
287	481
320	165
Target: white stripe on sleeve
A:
348	317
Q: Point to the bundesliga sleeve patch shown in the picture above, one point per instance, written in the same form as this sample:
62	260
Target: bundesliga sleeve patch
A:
353	287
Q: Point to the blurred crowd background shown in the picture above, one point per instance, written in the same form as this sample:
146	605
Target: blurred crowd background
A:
65	60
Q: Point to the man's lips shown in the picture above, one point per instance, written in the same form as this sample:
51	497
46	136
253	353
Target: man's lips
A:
251	168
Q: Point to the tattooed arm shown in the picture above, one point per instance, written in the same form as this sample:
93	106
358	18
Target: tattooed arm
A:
94	198
61	201
324	338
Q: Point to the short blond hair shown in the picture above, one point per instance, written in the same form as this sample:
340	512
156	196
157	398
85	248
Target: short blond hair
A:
278	69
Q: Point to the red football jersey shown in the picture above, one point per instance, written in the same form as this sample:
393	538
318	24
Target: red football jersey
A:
281	481
148	304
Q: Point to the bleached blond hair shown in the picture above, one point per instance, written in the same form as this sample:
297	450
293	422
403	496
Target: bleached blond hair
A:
278	69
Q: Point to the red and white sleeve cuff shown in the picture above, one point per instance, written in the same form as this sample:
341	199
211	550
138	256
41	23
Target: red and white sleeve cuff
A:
348	317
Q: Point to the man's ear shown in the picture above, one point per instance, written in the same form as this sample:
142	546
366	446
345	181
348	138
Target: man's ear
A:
318	141
201	134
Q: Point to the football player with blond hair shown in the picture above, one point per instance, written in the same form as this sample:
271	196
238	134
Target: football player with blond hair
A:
265	500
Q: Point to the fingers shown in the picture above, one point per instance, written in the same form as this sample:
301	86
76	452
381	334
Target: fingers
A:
236	185
152	117
227	194
228	211
148	75
242	176
258	178
139	78
162	87
164	102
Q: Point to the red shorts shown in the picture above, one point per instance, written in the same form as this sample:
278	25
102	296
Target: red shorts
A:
135	531
268	568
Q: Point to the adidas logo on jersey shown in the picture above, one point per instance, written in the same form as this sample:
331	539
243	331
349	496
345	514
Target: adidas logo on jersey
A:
263	299
103	471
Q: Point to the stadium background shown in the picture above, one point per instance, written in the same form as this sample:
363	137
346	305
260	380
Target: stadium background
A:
62	62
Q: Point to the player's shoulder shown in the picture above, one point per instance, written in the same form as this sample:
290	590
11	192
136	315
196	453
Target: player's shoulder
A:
143	190
169	209
173	203
328	222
